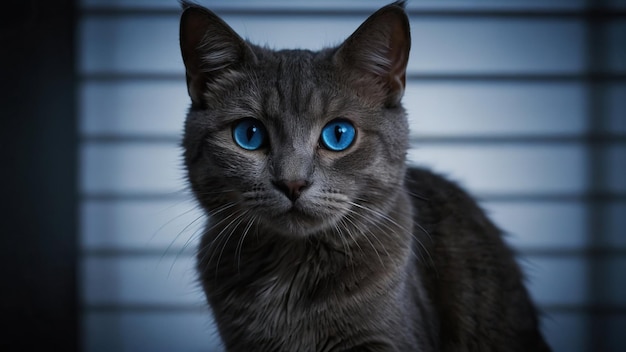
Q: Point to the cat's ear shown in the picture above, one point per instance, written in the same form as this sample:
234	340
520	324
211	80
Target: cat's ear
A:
210	49
378	52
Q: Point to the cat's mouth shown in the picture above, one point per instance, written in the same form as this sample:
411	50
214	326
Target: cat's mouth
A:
299	213
296	221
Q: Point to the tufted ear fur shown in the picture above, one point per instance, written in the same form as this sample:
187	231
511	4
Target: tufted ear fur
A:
375	56
210	49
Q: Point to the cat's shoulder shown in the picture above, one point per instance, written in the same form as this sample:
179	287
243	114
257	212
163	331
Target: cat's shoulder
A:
429	185
439	200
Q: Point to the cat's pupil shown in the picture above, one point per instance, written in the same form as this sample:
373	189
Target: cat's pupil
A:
339	131
251	132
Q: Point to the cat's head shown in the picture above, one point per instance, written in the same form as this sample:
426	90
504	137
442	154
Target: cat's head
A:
297	141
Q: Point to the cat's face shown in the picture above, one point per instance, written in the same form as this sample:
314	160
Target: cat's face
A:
295	141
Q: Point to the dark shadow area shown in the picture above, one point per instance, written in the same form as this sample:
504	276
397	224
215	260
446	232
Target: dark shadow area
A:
598	312
38	306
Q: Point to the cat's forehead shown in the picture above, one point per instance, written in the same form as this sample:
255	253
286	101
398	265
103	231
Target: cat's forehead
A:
294	82
289	63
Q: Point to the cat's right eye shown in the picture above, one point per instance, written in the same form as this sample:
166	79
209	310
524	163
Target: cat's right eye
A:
249	134
338	135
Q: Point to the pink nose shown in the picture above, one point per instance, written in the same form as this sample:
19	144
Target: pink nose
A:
292	189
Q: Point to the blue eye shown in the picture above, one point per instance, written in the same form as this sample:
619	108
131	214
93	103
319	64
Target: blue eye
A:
338	135
249	134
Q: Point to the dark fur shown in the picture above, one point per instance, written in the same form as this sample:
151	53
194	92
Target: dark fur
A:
373	256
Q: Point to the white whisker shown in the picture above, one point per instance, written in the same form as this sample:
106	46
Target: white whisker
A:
240	219
208	248
241	240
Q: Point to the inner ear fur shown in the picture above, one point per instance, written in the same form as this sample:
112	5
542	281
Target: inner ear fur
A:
209	48
378	52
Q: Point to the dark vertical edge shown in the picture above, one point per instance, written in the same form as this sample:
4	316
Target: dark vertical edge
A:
596	172
38	154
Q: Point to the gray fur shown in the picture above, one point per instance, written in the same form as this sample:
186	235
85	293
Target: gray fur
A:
372	256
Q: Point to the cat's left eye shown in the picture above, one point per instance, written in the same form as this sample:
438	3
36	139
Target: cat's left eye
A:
249	134
338	135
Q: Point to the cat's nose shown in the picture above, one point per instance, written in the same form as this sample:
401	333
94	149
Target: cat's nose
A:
292	189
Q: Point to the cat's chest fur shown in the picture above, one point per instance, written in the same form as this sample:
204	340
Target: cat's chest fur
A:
306	295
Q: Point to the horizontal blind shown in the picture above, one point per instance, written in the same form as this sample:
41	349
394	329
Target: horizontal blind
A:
522	102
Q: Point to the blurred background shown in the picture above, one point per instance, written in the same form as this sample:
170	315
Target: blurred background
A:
521	101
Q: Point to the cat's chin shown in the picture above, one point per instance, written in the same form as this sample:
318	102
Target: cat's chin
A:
297	222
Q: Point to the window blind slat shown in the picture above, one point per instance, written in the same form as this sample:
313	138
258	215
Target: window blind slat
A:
546	225
133	44
515	169
131	168
146	280
133	108
496	108
162	225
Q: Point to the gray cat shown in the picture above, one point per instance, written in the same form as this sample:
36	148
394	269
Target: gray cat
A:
319	236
